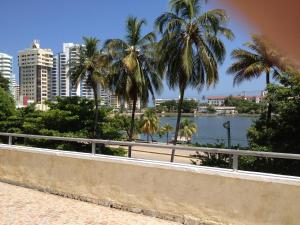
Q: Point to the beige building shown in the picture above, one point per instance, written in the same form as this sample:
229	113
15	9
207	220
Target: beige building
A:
16	92
35	66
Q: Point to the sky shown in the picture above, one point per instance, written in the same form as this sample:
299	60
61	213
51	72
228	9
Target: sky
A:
54	22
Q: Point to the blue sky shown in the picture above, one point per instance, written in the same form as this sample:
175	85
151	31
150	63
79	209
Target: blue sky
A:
56	21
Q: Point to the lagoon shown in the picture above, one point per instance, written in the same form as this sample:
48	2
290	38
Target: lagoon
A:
211	130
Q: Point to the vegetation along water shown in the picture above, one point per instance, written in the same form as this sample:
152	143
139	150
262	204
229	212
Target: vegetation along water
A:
210	129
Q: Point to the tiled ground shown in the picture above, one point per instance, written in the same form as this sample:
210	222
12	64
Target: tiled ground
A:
22	206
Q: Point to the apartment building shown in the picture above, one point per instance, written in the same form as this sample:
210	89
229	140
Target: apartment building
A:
35	65
62	85
6	65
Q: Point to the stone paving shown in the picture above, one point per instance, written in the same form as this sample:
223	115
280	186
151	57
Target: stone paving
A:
22	206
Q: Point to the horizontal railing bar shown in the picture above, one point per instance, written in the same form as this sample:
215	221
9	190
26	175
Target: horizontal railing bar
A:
164	146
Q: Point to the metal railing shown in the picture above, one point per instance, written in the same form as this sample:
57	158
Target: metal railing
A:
235	153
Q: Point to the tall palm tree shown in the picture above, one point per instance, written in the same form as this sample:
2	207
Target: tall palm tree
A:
260	59
167	128
187	129
133	72
191	48
91	67
149	123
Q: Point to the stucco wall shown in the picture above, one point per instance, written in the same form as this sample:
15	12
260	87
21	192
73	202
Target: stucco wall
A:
207	194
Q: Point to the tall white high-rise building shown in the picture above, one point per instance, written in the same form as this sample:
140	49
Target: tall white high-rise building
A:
6	64
62	85
35	65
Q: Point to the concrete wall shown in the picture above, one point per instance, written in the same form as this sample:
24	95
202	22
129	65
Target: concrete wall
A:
173	191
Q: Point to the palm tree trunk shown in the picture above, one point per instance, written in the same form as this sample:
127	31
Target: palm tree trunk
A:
268	78
178	122
167	138
148	138
269	111
132	124
96	128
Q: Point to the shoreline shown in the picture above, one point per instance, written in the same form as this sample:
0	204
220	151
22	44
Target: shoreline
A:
198	114
206	114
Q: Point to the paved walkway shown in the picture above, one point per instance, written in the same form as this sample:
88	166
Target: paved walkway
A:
22	206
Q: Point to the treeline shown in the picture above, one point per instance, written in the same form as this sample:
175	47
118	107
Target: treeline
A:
246	106
188	106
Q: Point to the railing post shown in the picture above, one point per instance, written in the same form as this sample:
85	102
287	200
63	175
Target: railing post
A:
129	151
172	155
93	148
235	163
9	140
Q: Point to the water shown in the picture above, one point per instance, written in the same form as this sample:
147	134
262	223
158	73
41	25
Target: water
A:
210	129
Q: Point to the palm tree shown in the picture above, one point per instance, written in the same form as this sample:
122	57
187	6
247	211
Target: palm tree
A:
191	48
167	128
187	129
133	72
260	59
149	123
91	67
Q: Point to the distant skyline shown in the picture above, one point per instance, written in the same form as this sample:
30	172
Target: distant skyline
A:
59	21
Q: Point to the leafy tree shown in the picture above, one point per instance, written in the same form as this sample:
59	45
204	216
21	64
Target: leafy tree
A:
166	129
133	73
4	83
188	106
211	109
91	67
149	123
191	48
68	117
7	105
244	106
282	134
187	129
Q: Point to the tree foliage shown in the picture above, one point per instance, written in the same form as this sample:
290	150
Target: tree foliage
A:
4	83
282	134
191	47
91	67
245	106
68	117
188	106
133	73
166	129
149	123
187	129
260	58
7	105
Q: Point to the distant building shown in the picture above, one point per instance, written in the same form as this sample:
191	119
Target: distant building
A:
62	85
219	109
220	100
6	65
216	100
16	92
129	105
35	65
61	82
158	101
